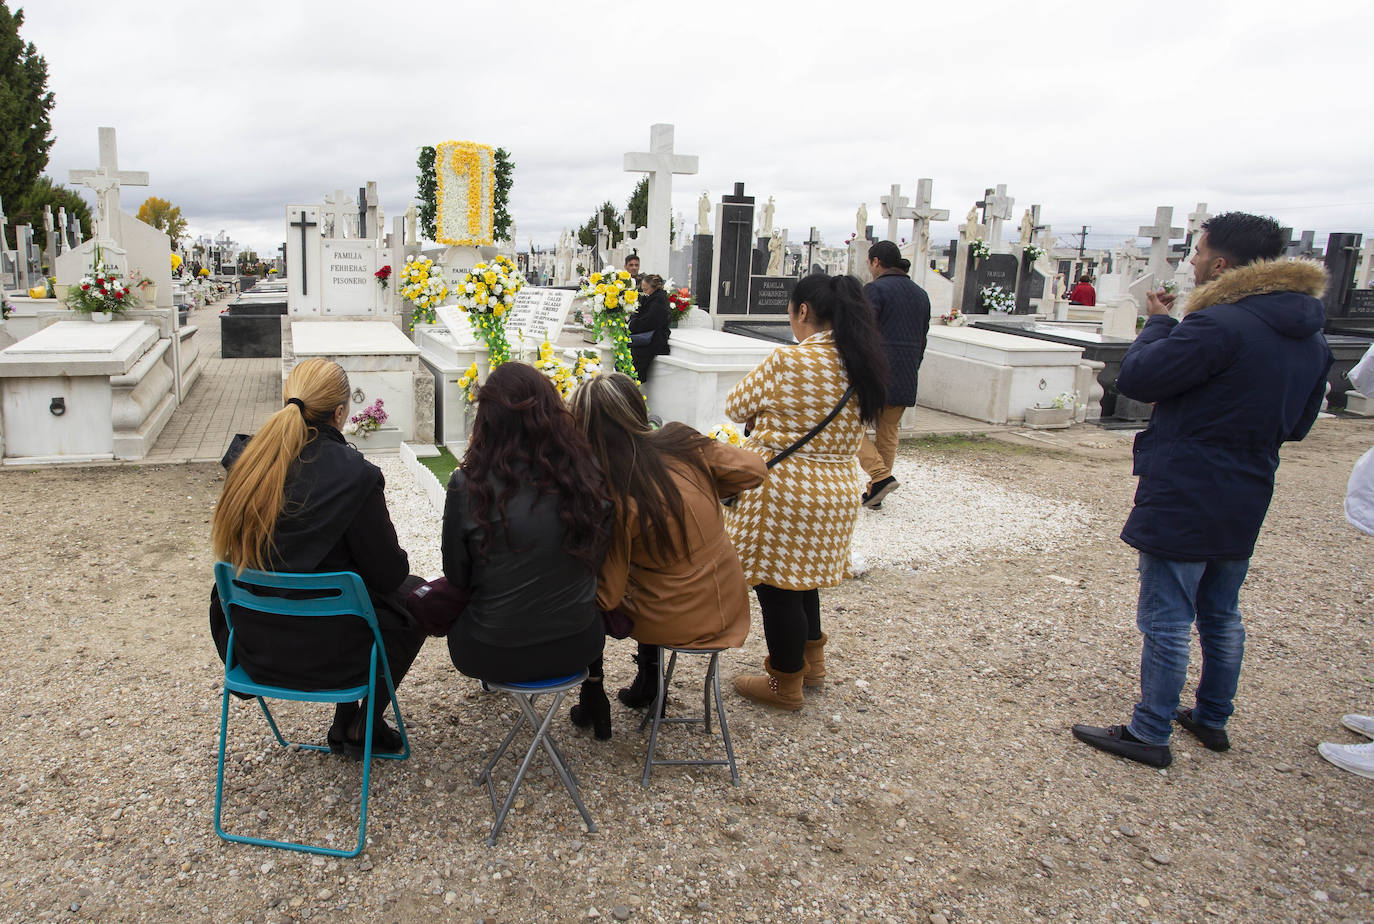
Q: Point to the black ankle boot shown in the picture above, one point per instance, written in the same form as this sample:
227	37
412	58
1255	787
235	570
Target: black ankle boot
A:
644	689
593	708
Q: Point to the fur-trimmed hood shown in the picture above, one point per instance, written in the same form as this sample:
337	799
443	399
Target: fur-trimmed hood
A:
1262	277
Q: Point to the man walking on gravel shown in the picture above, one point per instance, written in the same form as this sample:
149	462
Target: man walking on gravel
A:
1243	372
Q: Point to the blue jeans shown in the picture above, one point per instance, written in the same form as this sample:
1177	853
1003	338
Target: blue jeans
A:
1172	595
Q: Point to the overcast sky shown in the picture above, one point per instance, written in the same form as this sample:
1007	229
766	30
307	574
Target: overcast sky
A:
1097	112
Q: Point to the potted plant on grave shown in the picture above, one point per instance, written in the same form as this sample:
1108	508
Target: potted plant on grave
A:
1056	415
102	293
369	425
611	298
1032	253
979	249
681	302
995	298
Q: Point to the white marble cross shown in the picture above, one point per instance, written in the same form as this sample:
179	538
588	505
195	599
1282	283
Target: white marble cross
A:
106	180
996	205
921	215
336	212
895	208
660	163
1160	235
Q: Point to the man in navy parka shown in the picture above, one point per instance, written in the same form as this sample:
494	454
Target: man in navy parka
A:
1244	371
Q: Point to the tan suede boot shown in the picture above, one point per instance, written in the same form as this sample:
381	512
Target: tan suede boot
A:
779	690
815	661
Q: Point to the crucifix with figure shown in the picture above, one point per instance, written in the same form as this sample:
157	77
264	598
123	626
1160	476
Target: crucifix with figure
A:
921	215
660	163
106	180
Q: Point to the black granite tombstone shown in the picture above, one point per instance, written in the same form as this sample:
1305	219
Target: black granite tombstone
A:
997	269
771	331
701	269
1342	255
770	294
249	336
1030	283
1347	348
736	252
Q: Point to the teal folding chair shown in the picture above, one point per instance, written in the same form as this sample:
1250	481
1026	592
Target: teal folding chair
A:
339	593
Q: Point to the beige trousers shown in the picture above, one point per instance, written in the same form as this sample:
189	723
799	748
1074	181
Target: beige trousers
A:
876	455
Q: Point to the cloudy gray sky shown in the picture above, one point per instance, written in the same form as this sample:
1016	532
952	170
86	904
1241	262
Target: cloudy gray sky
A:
1097	112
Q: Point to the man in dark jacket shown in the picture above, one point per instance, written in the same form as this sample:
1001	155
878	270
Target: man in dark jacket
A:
1243	372
902	310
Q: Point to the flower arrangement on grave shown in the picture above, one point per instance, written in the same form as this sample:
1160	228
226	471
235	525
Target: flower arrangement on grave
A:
996	298
486	294
1064	400
612	298
5	309
464	192
681	302
422	284
203	272
1033	252
139	281
365	421
726	433
382	275
955	318
979	248
468	383
176	263
585	366
272	271
100	290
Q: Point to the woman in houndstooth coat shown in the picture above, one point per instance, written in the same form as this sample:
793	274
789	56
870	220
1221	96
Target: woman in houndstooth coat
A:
792	534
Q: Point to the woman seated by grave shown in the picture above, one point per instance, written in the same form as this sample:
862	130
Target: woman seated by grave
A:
793	533
671	570
649	325
526	523
297	498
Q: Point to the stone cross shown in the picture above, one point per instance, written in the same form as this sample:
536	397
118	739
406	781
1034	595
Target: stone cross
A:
373	210
1195	220
922	215
603	241
996	206
1160	234
23	238
292	271
73	231
49	240
660	163
894	208
334	215
1365	269
106	180
363	225
812	242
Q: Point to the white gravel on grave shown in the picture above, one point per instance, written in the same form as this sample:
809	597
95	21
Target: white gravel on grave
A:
938	517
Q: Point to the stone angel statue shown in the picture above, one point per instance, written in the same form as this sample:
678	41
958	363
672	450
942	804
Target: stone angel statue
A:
704	214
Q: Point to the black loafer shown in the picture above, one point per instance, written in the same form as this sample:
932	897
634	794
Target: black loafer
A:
1213	739
873	499
1115	739
385	741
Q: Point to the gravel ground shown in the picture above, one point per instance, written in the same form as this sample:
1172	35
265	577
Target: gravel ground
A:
932	779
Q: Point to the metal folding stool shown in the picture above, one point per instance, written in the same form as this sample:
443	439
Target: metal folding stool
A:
657	718
524	695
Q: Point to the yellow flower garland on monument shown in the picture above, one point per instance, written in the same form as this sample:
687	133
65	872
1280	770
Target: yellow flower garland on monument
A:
465	210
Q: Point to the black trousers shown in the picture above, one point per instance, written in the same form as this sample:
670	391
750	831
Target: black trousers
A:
790	618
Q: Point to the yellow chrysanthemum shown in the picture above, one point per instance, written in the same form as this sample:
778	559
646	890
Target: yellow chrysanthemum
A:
595	278
623	275
631	297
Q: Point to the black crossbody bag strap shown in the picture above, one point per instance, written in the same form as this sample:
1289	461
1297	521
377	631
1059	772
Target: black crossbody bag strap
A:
849	393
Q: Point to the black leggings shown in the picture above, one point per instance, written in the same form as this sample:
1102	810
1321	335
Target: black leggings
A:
790	618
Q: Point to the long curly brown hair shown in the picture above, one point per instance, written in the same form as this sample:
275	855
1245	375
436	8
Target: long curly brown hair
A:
524	435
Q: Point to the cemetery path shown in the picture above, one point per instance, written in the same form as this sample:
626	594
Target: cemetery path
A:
932	778
231	396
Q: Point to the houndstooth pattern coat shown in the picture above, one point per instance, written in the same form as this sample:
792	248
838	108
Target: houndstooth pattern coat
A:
794	531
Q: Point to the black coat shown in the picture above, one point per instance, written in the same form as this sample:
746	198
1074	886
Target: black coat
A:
902	310
532	612
1244	371
335	519
654	314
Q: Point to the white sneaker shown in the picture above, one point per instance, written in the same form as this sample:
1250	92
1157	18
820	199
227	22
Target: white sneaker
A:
1357	758
1364	724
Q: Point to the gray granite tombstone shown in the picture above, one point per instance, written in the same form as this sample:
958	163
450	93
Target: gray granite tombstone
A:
701	269
1030	283
1342	256
997	269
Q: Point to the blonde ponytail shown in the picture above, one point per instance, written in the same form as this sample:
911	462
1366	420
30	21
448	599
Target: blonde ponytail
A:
254	490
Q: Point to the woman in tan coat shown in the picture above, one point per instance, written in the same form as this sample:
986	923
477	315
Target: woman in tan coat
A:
671	568
793	533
